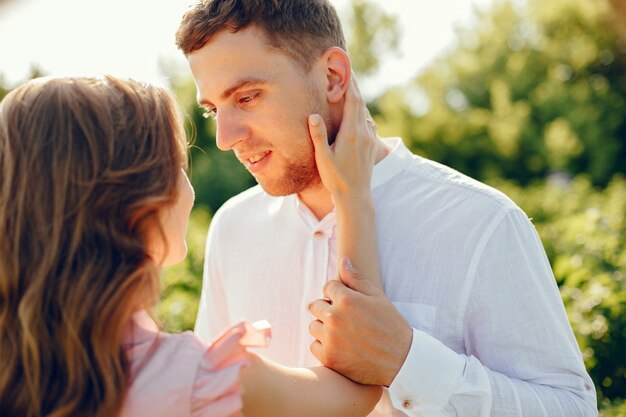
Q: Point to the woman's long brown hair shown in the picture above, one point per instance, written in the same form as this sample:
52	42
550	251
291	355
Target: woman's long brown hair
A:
85	166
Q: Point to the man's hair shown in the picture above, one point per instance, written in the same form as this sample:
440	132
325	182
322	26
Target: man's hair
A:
303	29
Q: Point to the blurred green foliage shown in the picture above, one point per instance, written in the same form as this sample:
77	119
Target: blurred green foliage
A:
371	35
615	409
181	283
529	90
3	90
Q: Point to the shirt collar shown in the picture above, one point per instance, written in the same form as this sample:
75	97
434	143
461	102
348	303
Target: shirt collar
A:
327	223
391	165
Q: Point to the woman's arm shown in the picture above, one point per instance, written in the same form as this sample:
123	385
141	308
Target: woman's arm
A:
273	390
346	171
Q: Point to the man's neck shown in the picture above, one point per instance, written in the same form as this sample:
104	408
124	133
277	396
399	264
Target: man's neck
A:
319	200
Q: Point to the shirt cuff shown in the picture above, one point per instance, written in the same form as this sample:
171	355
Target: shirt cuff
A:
429	376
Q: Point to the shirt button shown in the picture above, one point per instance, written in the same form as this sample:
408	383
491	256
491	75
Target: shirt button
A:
407	404
318	234
587	386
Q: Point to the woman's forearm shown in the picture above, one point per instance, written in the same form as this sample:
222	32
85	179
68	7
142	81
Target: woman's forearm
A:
356	231
273	390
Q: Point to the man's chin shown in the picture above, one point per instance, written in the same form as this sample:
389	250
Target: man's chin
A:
277	191
289	188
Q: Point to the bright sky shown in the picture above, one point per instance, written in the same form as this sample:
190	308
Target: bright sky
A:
129	37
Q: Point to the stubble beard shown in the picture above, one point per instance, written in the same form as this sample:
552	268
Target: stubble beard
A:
300	172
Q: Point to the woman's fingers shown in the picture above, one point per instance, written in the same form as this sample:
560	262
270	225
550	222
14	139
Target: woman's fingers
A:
319	136
364	113
352	114
357	135
348	162
370	120
323	151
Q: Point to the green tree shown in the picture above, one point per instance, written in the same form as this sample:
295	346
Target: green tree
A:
371	35
527	91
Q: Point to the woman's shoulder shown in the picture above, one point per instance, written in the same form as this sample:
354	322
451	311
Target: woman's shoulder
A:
177	374
217	389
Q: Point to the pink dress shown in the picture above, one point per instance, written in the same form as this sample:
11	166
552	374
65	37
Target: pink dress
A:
177	375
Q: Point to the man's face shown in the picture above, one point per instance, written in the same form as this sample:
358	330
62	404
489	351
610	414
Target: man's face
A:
260	99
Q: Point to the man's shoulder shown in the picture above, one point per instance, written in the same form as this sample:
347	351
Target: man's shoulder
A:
440	180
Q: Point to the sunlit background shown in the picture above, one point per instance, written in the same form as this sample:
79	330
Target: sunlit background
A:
136	38
528	96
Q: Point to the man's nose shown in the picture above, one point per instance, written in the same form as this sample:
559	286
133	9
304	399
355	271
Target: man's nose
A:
230	130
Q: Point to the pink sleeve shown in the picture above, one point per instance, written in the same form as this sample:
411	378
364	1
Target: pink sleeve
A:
217	388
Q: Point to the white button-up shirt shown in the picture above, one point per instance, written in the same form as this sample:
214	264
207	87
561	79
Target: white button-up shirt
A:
459	260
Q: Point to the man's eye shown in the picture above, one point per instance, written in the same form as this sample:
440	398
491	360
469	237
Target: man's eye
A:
209	113
248	98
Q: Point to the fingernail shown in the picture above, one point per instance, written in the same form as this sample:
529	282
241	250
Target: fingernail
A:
349	264
314	119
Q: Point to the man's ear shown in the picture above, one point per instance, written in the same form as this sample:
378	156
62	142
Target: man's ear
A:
338	72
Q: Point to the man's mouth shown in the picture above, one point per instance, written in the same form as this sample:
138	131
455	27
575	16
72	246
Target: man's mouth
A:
256	158
254	163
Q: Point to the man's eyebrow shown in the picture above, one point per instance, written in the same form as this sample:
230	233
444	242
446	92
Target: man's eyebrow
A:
237	86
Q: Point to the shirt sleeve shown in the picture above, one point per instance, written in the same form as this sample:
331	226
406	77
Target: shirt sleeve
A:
217	387
520	356
213	315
